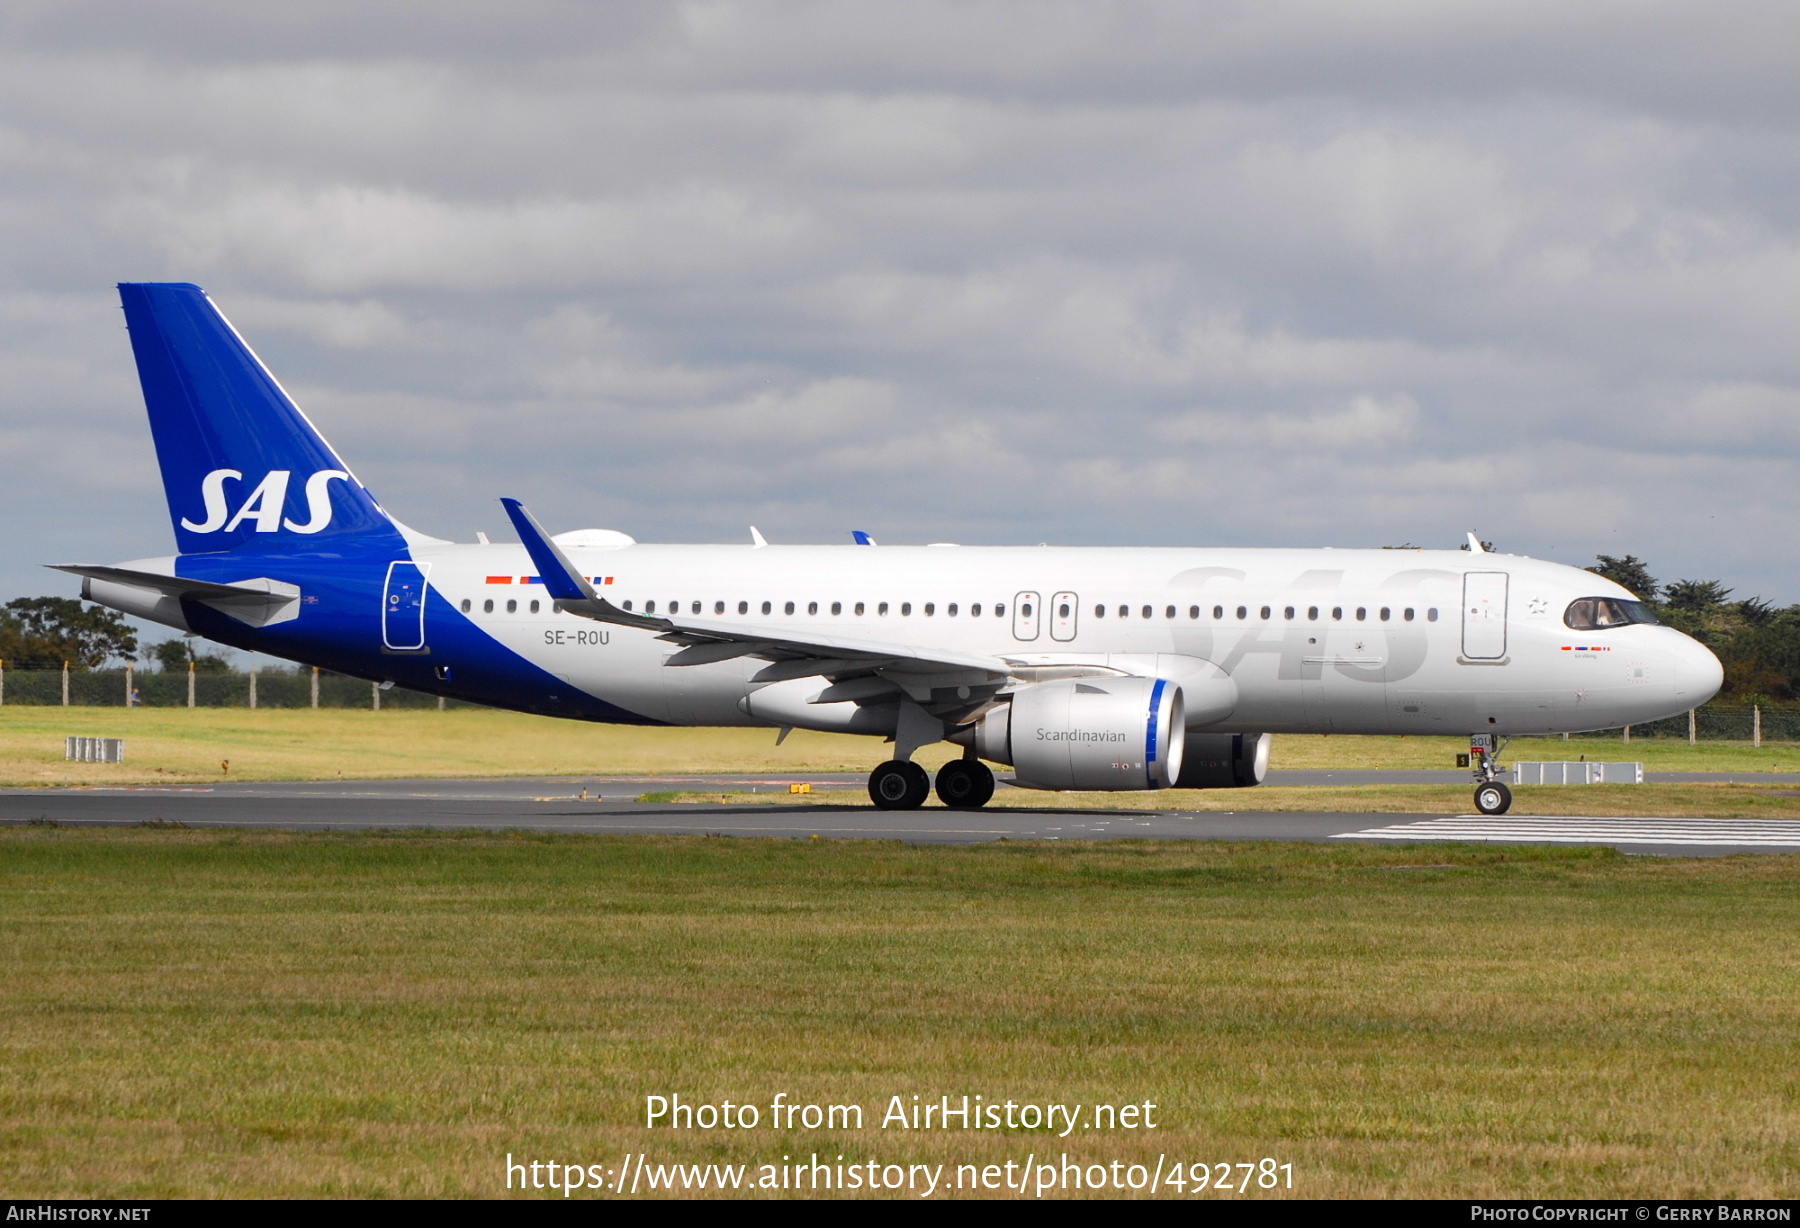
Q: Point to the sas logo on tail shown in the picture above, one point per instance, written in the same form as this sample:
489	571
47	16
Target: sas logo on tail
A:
266	503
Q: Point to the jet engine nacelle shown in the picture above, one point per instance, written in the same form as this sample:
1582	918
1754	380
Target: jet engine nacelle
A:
1224	760
1088	733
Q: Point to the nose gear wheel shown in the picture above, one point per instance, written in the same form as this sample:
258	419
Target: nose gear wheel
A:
1493	798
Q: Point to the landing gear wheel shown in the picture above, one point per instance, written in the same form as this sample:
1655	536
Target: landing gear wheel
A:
965	784
897	785
1493	798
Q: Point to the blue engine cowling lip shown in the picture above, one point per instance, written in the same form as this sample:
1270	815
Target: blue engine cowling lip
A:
340	612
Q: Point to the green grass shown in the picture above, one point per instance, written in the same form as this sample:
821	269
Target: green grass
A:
229	1013
184	746
178	745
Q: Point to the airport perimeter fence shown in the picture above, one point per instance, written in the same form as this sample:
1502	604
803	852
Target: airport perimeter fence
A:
1757	723
106	688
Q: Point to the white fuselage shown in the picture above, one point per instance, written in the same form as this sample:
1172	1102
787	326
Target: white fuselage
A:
1325	641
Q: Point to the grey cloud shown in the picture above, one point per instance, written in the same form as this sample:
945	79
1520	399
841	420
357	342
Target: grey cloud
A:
1111	273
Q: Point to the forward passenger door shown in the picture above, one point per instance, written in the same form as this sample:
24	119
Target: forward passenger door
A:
1484	615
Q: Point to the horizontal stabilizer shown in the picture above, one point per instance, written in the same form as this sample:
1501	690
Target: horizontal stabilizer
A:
172	586
257	602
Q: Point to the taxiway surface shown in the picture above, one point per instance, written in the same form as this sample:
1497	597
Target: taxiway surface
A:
612	805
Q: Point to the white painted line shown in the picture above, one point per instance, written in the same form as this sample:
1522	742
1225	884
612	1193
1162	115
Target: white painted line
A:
1577	829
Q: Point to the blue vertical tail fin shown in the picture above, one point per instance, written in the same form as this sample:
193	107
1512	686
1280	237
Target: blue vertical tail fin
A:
241	465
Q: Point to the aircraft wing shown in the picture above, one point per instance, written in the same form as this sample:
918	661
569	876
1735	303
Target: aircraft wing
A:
792	653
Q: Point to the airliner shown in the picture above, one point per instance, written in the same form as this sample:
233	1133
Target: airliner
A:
1077	668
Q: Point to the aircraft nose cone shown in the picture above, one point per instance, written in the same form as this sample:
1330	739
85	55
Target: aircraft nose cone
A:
1698	673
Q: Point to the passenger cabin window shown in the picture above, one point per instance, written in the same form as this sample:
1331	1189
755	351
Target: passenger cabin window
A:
1124	611
1337	612
1243	613
534	607
767	607
487	607
1193	611
718	607
1599	613
881	609
812	607
975	610
743	607
950	609
649	607
695	608
1265	613
1386	613
1146	611
1218	611
999	609
1312	613
1409	614
1099	611
512	607
1361	613
930	608
1169	613
490	605
905	608
789	608
1288	612
1431	615
859	607
465	605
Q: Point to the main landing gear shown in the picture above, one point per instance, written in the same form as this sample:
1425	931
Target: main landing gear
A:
962	784
1491	794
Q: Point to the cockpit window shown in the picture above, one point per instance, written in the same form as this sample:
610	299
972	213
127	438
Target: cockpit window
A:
1599	613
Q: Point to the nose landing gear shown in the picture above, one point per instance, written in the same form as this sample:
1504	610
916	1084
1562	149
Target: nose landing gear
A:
1493	798
1491	794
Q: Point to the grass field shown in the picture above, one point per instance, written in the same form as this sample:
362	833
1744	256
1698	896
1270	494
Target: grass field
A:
207	1013
179	745
186	745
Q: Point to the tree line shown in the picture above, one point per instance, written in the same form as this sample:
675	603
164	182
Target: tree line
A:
1757	642
45	632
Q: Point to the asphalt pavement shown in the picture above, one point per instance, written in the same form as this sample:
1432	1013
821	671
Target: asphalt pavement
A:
611	805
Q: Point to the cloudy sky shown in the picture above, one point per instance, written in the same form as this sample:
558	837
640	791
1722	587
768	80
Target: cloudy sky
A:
1239	273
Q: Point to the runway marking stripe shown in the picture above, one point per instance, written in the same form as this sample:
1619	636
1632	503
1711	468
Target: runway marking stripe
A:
1588	830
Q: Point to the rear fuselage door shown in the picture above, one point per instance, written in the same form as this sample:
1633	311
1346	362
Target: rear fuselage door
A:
403	607
1484	615
1065	608
1026	613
